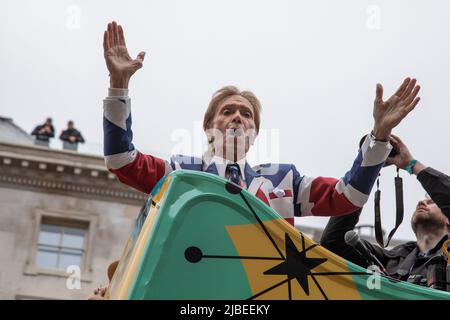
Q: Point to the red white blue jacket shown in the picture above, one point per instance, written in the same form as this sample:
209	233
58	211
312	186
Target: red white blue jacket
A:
281	186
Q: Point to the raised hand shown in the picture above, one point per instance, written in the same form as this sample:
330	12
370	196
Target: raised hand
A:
403	157
389	113
120	65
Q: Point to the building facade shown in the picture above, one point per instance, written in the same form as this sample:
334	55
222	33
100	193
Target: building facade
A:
63	219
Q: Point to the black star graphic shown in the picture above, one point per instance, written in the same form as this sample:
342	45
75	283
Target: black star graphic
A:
296	265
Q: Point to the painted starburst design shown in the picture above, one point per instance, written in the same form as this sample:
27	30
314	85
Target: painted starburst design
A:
294	263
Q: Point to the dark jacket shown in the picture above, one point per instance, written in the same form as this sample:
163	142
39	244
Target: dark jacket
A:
71	132
45	136
404	262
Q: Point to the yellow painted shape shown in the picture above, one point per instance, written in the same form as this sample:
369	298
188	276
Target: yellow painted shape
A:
251	241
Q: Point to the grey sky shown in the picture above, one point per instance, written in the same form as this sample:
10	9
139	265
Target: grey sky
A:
313	65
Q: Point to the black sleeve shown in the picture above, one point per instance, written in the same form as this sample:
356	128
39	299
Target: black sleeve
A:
333	239
80	137
36	130
52	134
64	136
335	230
437	185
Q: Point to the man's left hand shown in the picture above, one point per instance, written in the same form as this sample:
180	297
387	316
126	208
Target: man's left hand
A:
388	114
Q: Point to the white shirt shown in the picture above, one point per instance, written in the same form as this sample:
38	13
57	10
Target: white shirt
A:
221	165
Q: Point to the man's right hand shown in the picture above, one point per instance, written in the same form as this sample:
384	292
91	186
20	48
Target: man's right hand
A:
120	65
45	130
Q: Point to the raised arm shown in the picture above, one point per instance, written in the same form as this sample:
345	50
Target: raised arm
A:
81	138
36	130
133	168
119	63
324	196
64	135
435	183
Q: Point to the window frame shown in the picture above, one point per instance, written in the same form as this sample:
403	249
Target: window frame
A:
59	249
87	221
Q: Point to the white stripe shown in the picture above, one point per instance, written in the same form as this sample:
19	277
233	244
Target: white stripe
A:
374	152
177	165
118	92
116	111
167	168
357	198
304	192
117	161
257	183
283	206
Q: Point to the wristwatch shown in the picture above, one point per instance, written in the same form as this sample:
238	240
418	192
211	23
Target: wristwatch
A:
372	136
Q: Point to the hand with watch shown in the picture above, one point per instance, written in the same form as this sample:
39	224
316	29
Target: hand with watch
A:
403	159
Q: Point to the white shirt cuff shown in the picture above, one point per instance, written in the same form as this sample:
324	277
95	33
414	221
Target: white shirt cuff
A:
117	92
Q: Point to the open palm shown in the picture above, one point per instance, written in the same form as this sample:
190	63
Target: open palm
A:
388	114
119	63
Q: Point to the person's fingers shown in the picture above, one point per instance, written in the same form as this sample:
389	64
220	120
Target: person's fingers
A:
394	137
105	41
412	105
394	160
109	30
141	56
394	143
379	93
402	87
409	89
110	35
121	37
99	288
116	33
412	96
400	144
390	160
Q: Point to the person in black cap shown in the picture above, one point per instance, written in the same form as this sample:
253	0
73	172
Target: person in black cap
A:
414	261
44	132
71	137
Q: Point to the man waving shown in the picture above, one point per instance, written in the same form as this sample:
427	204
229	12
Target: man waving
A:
231	123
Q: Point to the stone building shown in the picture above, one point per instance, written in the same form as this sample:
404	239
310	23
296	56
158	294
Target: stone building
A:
59	210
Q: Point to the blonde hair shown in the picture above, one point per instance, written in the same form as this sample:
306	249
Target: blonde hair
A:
224	93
